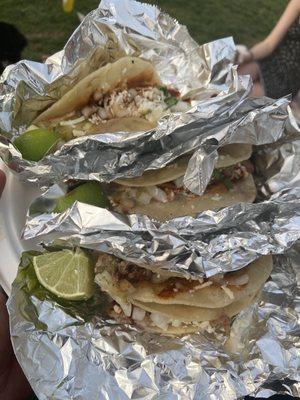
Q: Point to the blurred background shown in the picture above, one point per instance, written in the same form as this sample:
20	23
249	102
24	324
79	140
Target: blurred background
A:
47	28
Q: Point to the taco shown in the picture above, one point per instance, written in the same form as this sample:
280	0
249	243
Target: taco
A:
160	194
171	304
126	96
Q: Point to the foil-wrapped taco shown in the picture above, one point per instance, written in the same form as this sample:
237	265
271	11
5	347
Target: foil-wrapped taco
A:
214	281
161	194
131	100
150	298
169	304
126	95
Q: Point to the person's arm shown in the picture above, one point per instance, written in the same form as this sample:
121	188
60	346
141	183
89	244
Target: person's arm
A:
268	45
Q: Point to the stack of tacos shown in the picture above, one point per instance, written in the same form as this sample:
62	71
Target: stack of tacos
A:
164	302
126	96
160	194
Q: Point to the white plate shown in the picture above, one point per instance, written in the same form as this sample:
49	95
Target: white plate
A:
13	207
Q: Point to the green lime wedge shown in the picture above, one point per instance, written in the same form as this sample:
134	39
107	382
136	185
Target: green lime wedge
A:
67	274
36	143
89	193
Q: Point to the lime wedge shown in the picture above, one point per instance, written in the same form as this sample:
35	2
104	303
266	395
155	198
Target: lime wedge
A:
36	143
67	274
89	193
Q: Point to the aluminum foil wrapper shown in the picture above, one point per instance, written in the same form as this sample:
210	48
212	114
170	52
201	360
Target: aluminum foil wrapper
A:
215	241
261	355
221	113
211	243
72	350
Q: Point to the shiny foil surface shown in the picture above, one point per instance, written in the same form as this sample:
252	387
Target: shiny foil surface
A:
73	350
211	243
221	111
261	355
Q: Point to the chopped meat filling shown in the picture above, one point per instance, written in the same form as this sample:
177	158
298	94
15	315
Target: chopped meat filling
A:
128	275
150	103
222	179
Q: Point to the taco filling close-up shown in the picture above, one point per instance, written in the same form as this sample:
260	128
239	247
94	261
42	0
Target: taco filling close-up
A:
161	194
167	303
126	96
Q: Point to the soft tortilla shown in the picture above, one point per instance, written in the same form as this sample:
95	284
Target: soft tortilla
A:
243	191
130	124
185	313
208	297
211	296
228	155
127	71
233	153
156	177
212	314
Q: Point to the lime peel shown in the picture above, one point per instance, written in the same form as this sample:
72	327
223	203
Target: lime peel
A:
34	144
67	274
89	193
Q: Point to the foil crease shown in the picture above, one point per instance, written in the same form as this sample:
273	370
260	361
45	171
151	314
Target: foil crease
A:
221	113
211	243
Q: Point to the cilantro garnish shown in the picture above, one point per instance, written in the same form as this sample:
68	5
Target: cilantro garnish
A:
169	99
164	90
227	182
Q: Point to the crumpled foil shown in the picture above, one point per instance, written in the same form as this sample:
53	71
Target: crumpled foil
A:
72	350
261	355
221	113
211	243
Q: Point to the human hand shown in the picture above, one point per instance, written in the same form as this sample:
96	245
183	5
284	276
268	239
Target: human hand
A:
13	384
243	55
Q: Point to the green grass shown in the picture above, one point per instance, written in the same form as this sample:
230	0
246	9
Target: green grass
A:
47	27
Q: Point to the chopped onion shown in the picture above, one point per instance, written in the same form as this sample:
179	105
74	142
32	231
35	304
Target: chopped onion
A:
87	111
179	285
117	309
181	106
157	194
138	314
102	113
98	95
144	198
171	195
216	197
133	92
72	121
78	133
160	320
176	323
